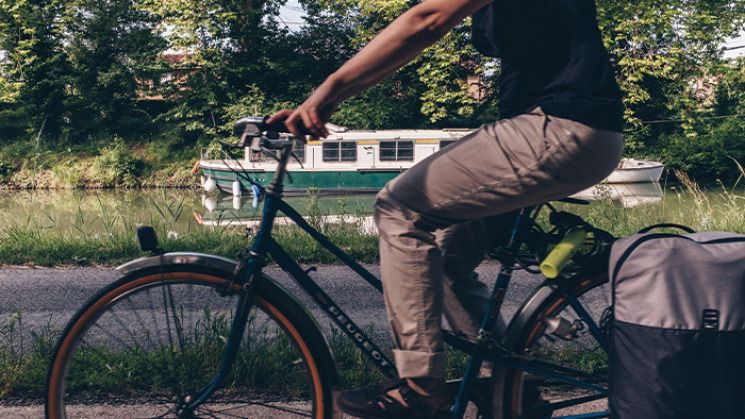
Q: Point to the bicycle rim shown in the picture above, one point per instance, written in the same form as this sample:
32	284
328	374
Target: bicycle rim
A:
530	396
146	345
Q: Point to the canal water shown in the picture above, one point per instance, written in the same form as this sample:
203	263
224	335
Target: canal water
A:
184	210
181	210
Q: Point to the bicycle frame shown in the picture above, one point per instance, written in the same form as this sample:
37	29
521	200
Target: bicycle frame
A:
485	348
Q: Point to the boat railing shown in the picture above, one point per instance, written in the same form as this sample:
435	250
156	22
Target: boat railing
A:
214	153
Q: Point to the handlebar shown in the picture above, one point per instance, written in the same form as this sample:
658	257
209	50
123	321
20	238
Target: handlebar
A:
256	125
255	132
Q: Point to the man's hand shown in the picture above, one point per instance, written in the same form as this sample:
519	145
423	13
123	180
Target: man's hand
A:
310	118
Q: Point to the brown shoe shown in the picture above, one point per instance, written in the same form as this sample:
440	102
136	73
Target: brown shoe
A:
393	399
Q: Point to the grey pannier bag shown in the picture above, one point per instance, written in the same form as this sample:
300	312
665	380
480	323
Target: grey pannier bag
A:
678	329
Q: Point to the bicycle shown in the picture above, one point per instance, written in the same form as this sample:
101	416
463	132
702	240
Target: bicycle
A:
197	335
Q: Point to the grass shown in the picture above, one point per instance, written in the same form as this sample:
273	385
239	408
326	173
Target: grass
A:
100	234
265	364
23	359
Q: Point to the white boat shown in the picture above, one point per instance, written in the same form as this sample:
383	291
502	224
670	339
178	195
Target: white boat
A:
631	170
628	194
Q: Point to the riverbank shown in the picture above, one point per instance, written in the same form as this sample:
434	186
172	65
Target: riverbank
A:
114	168
93	229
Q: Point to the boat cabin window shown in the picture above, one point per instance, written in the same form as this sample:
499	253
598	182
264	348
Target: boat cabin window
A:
339	151
298	148
396	151
445	143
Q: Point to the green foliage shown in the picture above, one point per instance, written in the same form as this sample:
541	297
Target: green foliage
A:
443	69
12	122
658	50
355	368
729	90
711	155
242	60
68	173
116	166
8	89
392	103
34	74
112	43
440	71
24	356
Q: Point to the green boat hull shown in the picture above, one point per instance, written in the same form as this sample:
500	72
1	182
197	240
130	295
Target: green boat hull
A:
327	182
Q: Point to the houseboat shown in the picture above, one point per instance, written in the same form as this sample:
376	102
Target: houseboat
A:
345	162
357	162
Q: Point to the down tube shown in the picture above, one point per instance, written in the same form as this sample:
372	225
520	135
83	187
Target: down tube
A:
329	306
328	245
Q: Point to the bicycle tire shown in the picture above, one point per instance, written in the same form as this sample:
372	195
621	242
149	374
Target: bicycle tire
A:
520	395
120	349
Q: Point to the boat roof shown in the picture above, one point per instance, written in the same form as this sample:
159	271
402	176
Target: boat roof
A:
403	134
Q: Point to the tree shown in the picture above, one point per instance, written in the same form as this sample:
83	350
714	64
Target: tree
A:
244	60
659	49
35	72
112	47
729	91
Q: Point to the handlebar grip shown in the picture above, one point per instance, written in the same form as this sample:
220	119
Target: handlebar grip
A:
279	127
563	252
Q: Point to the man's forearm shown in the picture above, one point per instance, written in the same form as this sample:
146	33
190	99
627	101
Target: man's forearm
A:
399	43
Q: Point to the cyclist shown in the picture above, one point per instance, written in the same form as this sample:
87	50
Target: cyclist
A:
559	132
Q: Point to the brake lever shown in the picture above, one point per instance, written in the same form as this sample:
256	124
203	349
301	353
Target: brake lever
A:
227	145
297	159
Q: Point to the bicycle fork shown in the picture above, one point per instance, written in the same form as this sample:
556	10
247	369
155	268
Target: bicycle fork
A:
192	402
244	275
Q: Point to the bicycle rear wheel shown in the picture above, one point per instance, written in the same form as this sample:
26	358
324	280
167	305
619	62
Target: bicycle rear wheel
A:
522	395
147	343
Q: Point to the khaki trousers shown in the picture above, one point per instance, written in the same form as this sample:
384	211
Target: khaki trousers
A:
435	221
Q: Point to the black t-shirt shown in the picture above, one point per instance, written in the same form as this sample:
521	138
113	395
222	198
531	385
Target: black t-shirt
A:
552	56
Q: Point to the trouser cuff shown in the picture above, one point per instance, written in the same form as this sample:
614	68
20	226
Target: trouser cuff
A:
415	364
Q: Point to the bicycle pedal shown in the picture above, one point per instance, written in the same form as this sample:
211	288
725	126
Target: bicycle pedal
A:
311	269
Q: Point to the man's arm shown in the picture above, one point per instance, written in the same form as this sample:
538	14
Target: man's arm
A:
400	42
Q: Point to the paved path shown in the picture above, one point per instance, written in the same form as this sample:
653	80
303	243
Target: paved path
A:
47	298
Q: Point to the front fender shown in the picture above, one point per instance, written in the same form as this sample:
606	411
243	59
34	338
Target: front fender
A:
179	258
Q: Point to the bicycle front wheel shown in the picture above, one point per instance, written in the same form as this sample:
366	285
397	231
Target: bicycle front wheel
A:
551	329
145	345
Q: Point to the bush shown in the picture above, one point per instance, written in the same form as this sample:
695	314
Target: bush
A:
69	173
708	157
116	166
